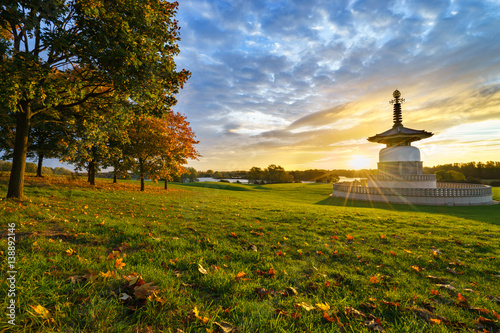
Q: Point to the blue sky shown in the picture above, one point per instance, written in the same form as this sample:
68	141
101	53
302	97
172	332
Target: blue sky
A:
302	84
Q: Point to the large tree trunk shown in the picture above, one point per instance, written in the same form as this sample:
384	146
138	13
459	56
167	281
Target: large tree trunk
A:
91	178
40	166
166	184
141	170
16	182
114	177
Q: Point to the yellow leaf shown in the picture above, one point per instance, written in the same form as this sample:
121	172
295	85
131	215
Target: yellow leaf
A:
119	264
70	251
108	274
114	254
196	312
407	251
202	270
240	276
323	306
41	311
435	321
306	306
204	319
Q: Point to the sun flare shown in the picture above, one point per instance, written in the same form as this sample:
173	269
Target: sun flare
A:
359	162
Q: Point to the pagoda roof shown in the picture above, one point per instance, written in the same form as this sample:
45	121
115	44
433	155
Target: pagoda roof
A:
399	133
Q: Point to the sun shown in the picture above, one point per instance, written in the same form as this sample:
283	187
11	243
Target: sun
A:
359	162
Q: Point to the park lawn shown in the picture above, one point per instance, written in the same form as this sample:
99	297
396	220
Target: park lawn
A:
220	257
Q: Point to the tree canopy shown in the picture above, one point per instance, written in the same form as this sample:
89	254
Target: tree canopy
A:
56	55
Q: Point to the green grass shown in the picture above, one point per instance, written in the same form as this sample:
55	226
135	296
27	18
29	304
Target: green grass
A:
375	258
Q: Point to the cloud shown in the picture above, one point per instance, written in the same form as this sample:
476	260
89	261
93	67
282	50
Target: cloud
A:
304	76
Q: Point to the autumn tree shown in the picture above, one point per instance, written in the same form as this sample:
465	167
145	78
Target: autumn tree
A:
55	55
161	145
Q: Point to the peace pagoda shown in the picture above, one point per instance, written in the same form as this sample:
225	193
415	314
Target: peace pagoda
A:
400	177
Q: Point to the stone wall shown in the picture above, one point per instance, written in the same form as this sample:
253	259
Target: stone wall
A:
445	194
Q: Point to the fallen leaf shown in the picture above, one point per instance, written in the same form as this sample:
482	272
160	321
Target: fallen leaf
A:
70	252
306	306
323	306
113	255
374	325
261	292
125	297
240	276
40	310
426	314
327	317
435	321
438	279
461	298
224	327
202	270
452	271
447	286
119	264
144	290
481	310
374	279
290	291
349	237
485	322
416	268
76	278
390	303
352	312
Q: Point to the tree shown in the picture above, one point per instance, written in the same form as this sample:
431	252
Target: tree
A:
449	176
160	146
97	136
277	174
190	175
55	55
255	175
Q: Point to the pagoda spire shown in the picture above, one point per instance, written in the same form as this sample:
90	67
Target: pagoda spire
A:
397	117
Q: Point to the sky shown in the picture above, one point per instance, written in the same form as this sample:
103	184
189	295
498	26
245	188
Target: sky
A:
303	84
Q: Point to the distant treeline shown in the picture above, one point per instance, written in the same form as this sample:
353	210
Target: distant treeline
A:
277	174
32	168
488	170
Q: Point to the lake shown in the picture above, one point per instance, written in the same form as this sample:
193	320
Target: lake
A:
245	181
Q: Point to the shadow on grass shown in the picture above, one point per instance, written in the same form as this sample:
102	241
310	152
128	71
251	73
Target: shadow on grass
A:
488	213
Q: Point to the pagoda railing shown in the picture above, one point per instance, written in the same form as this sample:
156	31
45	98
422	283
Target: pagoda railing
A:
442	190
403	178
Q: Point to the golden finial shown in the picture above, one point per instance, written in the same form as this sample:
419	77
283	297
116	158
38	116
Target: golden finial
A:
397	97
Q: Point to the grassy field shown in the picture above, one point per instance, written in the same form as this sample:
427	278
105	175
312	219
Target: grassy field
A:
212	257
